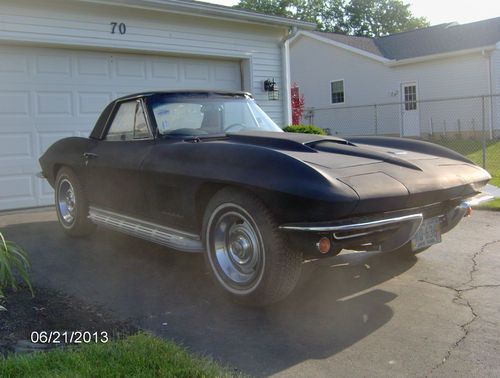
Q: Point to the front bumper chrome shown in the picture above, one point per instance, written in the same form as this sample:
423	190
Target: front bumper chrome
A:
383	233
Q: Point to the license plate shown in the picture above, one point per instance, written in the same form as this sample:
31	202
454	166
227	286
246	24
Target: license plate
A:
428	234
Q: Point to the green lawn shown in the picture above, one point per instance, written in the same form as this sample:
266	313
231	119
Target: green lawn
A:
138	356
473	150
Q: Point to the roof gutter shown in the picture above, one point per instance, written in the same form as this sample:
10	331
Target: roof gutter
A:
197	8
402	62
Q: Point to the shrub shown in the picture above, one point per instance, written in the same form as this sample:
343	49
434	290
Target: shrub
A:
306	129
13	259
297	104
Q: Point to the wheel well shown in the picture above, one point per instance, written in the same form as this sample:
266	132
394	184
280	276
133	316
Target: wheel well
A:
208	190
202	197
55	170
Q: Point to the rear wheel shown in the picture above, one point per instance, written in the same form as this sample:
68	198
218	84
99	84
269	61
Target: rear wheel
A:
246	253
71	204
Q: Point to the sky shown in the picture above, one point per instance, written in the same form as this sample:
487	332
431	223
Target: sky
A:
438	11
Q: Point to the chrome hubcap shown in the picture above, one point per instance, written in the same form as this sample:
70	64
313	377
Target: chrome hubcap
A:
66	201
237	249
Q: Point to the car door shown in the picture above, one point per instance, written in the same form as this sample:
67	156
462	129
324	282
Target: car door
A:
113	164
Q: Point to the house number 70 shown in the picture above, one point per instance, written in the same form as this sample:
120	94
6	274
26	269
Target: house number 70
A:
118	27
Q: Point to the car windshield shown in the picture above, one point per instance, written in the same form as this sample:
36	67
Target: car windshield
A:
207	114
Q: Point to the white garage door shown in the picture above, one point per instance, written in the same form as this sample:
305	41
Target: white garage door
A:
48	94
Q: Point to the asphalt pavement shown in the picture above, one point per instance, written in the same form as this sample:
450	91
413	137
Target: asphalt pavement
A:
358	314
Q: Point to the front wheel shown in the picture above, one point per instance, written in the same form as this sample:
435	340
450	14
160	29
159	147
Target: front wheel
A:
71	204
245	251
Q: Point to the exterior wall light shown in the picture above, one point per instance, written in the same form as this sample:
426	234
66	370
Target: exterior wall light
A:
272	89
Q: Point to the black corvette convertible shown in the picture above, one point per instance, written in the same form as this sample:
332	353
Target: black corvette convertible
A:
211	172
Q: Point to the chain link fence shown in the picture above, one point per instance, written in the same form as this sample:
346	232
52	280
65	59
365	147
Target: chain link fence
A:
468	125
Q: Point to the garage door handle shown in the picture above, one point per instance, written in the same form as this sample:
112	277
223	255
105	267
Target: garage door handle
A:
90	155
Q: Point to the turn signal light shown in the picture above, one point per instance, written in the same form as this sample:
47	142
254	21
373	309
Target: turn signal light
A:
469	212
323	245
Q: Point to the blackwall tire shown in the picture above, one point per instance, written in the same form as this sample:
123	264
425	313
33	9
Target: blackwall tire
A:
71	204
246	253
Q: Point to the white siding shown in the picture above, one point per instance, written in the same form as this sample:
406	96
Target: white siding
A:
88	25
367	82
60	65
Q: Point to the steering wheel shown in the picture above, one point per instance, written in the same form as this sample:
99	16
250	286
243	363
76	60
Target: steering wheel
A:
234	125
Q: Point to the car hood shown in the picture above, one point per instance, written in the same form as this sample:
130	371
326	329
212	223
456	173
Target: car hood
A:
414	171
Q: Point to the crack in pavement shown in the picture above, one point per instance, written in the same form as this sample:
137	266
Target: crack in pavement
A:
459	300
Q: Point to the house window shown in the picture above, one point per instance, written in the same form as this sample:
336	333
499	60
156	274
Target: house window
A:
410	93
337	91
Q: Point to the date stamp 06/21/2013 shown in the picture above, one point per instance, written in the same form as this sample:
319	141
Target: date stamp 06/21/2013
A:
69	337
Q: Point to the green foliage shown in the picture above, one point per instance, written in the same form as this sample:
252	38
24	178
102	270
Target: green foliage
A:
371	18
472	149
375	18
13	259
136	356
305	129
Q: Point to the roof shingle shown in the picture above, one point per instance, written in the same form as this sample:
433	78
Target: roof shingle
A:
436	39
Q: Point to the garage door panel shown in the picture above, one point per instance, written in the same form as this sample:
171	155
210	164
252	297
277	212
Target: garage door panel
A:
226	72
196	72
17	191
14	103
130	68
48	94
93	67
51	65
46	193
165	70
46	139
13	64
54	103
16	146
16	186
92	103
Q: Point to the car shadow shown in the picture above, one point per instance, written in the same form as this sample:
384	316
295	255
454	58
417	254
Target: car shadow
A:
336	303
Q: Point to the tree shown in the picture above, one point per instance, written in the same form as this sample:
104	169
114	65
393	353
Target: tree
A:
371	18
375	18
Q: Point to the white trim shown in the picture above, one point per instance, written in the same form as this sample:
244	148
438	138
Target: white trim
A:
119	46
201	9
450	54
403	105
344	46
392	62
343	90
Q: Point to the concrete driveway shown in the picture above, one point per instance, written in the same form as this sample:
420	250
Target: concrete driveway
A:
437	314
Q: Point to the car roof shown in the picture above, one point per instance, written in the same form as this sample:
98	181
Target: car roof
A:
184	92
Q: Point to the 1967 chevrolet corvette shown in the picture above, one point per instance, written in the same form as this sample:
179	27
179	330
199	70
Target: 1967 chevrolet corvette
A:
209	171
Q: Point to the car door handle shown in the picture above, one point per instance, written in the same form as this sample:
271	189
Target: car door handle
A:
90	155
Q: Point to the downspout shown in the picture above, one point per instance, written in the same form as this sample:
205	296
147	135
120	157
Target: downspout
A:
487	55
285	59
